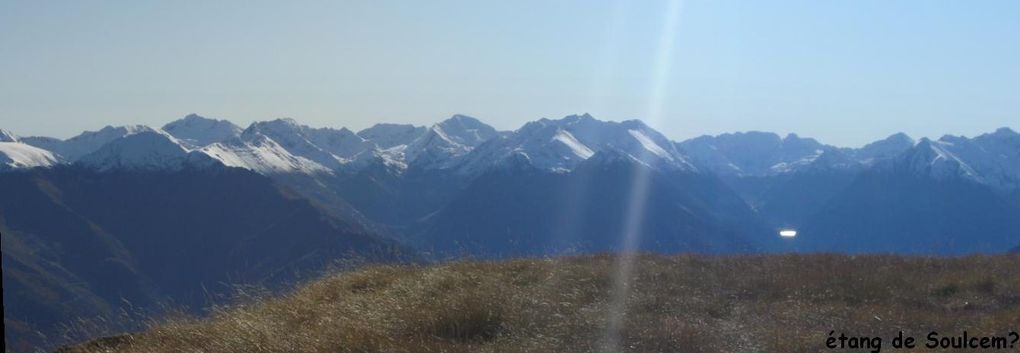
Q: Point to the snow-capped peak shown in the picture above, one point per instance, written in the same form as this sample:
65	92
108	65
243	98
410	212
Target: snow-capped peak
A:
343	143
295	139
297	147
995	157
434	148
145	150
280	125
753	153
560	145
17	155
932	159
883	149
466	130
197	131
391	135
87	142
261	154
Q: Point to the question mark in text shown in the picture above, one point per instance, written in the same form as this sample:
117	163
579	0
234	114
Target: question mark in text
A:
1015	336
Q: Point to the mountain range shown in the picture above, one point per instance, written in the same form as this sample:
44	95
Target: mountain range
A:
436	186
170	213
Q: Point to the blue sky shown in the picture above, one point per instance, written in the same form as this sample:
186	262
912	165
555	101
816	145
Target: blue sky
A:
846	72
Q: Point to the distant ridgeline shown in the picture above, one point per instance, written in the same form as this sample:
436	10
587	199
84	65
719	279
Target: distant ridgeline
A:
152	215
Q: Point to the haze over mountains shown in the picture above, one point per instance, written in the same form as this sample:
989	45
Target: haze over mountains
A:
155	214
404	180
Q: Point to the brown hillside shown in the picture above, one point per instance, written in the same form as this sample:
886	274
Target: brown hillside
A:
769	303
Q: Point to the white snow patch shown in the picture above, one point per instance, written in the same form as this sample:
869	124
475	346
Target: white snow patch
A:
144	149
7	136
650	145
16	155
262	155
943	155
575	146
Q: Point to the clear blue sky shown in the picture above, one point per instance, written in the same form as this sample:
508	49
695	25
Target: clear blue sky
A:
846	72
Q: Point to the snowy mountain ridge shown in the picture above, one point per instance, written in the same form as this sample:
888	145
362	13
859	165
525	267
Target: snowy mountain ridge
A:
262	155
753	153
17	155
467	146
85	143
560	145
197	131
145	150
992	158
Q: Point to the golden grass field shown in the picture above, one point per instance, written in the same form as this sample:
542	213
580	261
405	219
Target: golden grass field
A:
683	303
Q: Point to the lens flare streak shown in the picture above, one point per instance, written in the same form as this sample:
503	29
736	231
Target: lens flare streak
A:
630	237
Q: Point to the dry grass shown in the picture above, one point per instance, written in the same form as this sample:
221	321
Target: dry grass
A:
768	303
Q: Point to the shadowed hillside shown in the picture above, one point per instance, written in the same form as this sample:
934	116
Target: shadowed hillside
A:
773	303
82	244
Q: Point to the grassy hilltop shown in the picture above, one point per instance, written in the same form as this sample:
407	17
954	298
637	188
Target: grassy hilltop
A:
685	303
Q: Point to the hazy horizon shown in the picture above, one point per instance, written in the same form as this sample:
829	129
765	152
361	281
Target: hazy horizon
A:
299	121
845	73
